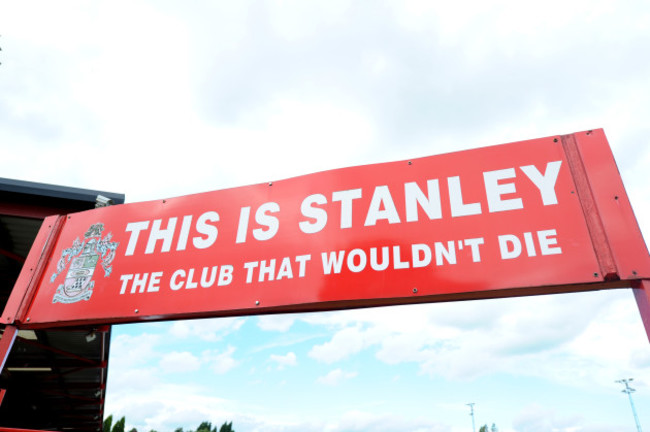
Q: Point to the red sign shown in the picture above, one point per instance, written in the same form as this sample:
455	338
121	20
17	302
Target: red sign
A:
473	224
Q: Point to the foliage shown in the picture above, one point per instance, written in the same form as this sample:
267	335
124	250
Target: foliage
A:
205	426
108	423
226	427
119	425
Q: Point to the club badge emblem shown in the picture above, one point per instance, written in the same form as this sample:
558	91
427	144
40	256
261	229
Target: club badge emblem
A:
83	257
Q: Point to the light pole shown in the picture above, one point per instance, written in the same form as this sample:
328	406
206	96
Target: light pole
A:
471	412
629	390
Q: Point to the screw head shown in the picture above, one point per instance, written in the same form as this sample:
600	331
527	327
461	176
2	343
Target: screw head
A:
257	302
415	290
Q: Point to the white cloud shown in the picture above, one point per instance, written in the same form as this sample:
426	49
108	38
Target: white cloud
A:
281	323
163	405
498	335
282	361
344	343
220	362
209	330
126	381
223	94
335	377
129	351
358	420
179	362
537	418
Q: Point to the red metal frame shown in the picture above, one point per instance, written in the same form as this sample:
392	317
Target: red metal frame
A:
621	257
592	217
27	210
611	203
642	296
622	237
13	256
7	341
620	254
620	251
21	295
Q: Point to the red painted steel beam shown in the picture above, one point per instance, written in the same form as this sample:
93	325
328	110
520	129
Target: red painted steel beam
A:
13	256
625	248
607	247
61	352
25	287
587	200
27	210
642	296
53	375
6	342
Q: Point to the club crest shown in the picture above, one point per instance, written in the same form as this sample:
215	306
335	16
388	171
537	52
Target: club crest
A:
83	257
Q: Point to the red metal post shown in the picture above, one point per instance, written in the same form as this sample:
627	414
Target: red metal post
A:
623	237
25	286
611	203
587	199
642	295
7	341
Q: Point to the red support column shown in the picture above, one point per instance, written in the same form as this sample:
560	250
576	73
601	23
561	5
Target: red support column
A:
7	341
642	295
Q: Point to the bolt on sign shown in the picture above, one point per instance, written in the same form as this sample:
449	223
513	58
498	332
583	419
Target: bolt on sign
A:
532	217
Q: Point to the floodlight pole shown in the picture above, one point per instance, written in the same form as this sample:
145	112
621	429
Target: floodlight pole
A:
629	390
471	413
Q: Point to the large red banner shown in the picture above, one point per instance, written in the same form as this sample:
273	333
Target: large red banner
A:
479	222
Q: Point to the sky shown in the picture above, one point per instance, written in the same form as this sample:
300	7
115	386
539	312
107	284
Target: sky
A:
156	99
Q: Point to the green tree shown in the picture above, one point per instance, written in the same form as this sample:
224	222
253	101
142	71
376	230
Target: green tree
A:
133	430
119	425
226	427
206	426
483	428
108	423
